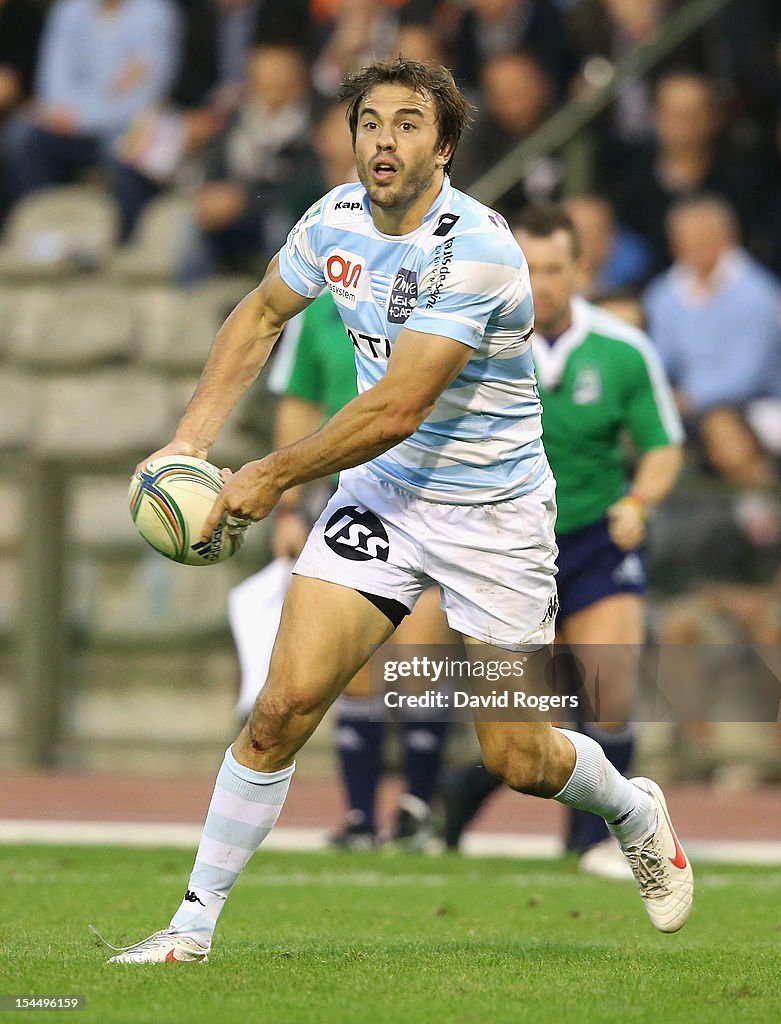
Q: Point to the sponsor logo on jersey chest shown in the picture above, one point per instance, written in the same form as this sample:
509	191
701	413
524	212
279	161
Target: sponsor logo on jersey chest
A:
343	272
403	296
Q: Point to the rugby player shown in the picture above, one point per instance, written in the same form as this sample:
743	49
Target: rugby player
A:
444	479
320	379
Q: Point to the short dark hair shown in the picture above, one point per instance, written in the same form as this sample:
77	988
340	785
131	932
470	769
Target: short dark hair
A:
544	219
432	80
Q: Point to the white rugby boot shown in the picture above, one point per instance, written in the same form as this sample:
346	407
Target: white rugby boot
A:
661	868
166	946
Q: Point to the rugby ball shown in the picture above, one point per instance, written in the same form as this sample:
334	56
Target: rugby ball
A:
170	500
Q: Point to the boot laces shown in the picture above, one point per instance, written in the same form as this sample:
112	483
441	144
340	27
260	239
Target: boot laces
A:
649	869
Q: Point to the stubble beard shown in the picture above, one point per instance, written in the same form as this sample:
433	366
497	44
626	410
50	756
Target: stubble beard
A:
390	197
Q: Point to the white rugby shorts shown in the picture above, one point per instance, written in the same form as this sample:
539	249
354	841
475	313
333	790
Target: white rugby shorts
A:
495	564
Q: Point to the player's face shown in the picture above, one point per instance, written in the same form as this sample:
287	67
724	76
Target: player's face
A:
554	278
397	150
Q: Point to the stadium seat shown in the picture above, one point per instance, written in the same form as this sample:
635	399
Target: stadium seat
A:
7	307
71	328
177	326
99	521
104	414
152	254
156	598
16	410
57	232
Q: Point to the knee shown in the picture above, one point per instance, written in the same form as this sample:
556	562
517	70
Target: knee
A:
525	766
274	720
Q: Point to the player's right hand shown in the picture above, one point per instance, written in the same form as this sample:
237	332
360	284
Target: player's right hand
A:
175	447
290	533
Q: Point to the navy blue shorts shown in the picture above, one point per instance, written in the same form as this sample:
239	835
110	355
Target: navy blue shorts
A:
591	567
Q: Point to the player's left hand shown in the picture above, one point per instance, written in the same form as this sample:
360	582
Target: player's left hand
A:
247	495
627	521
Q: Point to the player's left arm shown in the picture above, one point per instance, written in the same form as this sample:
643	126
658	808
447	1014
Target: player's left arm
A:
420	368
655	426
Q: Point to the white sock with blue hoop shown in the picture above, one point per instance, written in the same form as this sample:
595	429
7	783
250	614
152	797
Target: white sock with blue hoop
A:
244	808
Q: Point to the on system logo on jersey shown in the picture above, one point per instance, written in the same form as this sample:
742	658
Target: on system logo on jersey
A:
403	297
343	272
357	534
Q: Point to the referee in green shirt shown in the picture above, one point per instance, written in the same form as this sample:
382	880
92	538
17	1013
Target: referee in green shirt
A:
599	380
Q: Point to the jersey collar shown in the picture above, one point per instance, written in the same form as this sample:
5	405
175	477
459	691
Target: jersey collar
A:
551	360
436	207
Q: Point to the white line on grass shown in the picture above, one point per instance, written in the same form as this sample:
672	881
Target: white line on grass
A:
477	844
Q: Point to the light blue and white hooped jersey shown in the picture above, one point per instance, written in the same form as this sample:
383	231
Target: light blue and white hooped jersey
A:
461	275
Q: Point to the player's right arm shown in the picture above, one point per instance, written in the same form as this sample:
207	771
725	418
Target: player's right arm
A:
239	352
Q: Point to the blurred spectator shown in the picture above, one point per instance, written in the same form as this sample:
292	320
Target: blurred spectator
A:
685	157
330	162
750	42
611	257
774	207
254	169
349	33
420	42
219	35
491	28
626	306
714	316
100	63
20	29
517	95
604	31
334	147
218	39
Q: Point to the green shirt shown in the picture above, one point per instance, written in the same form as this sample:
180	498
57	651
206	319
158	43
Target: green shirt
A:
601	378
323	369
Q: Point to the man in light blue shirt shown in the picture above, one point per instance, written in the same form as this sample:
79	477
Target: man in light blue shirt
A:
101	63
715	315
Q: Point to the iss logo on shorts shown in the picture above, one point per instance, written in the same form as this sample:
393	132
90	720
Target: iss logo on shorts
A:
357	534
343	273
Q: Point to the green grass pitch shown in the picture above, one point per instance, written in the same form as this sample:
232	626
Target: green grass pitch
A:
370	939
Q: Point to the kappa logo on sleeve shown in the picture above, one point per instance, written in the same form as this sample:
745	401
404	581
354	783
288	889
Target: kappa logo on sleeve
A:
357	534
343	272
